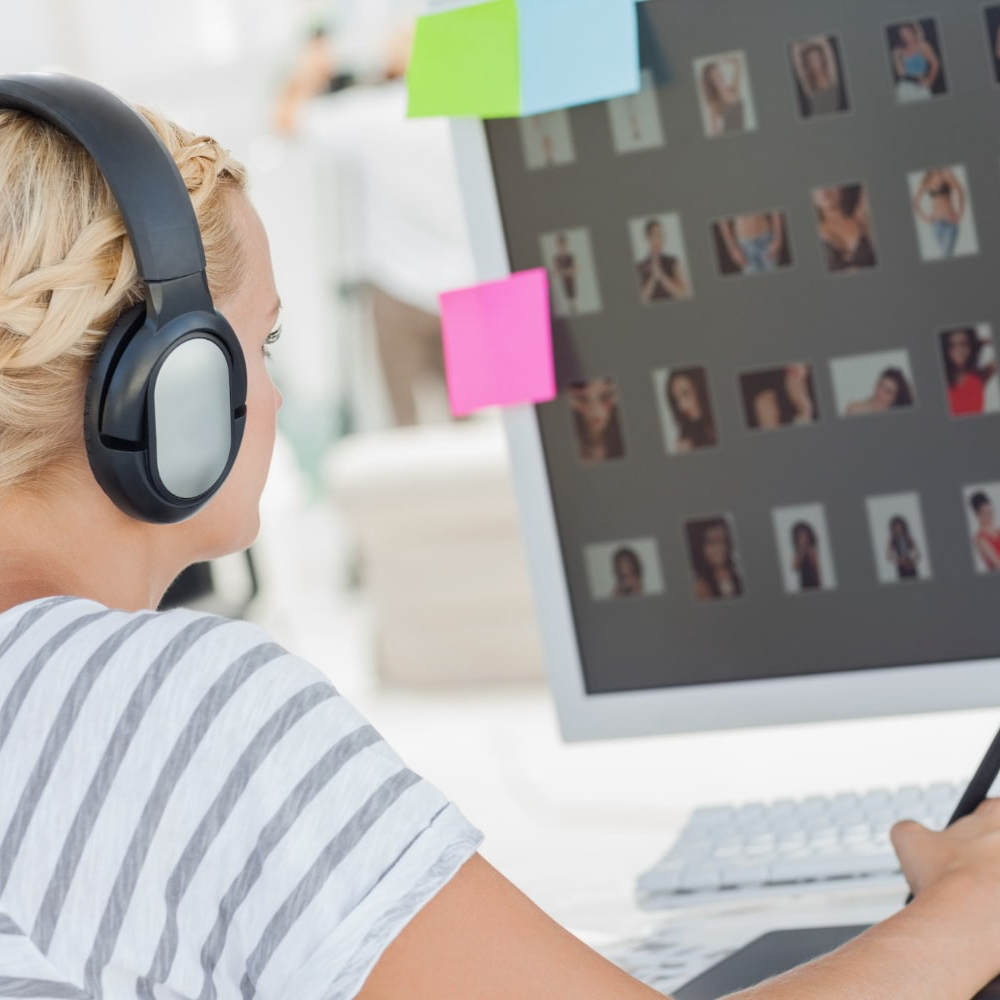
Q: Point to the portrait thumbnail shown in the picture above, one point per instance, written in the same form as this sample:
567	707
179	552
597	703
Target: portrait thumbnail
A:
867	384
754	243
916	60
779	397
992	15
684	401
593	407
569	258
547	140
804	551
713	551
635	119
942	213
626	568
818	74
899	541
968	359
660	257
724	94
844	224
981	505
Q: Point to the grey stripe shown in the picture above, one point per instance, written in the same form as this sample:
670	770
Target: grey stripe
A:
52	749
314	880
308	787
267	738
7	926
17	694
214	700
11	986
118	745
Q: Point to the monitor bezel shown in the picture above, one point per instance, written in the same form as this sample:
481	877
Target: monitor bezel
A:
849	694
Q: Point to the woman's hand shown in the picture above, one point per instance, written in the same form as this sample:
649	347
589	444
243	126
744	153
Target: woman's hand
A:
968	848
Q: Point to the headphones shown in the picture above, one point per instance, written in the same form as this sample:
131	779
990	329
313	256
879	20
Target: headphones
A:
166	400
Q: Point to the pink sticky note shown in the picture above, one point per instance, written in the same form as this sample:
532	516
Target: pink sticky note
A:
498	343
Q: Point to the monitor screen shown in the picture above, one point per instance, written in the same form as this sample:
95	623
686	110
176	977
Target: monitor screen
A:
774	455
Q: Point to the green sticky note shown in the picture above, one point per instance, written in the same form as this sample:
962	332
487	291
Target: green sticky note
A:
466	63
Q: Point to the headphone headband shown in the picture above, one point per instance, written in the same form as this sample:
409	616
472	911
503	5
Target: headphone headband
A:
139	169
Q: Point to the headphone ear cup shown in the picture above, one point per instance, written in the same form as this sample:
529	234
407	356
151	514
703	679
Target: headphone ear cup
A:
104	461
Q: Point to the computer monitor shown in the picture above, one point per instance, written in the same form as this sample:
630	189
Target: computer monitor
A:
765	492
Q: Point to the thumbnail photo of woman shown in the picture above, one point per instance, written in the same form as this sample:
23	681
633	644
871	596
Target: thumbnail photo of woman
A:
942	212
866	384
724	94
992	15
625	568
779	397
984	533
819	76
804	552
753	243
845	228
970	370
685	407
594	408
572	276
898	538
915	57
547	140
660	256
635	119
714	562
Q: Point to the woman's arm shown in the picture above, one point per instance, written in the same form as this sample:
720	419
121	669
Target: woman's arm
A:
729	241
479	938
933	65
676	285
918	200
960	193
778	243
987	553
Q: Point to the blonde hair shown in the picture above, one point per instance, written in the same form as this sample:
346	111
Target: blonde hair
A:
67	272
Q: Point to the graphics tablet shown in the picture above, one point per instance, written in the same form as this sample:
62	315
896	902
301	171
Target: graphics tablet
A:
776	952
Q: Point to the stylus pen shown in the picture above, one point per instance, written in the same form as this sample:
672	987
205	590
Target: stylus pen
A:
979	787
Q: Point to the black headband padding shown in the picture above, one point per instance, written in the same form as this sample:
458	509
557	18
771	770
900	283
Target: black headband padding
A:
138	167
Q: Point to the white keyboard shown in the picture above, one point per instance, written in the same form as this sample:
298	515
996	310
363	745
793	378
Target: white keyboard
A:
729	853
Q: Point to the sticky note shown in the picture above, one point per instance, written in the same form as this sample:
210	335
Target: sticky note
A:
576	51
505	58
465	63
498	343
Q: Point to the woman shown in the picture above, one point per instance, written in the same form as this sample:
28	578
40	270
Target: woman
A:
627	568
661	275
946	200
722	94
915	63
687	397
185	805
754	242
902	551
564	265
805	555
594	405
892	390
779	397
967	377
987	537
844	227
711	546
818	76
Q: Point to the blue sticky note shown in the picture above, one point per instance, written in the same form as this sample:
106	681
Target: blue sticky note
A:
576	51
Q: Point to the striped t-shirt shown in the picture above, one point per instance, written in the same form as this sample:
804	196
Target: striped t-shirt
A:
186	810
